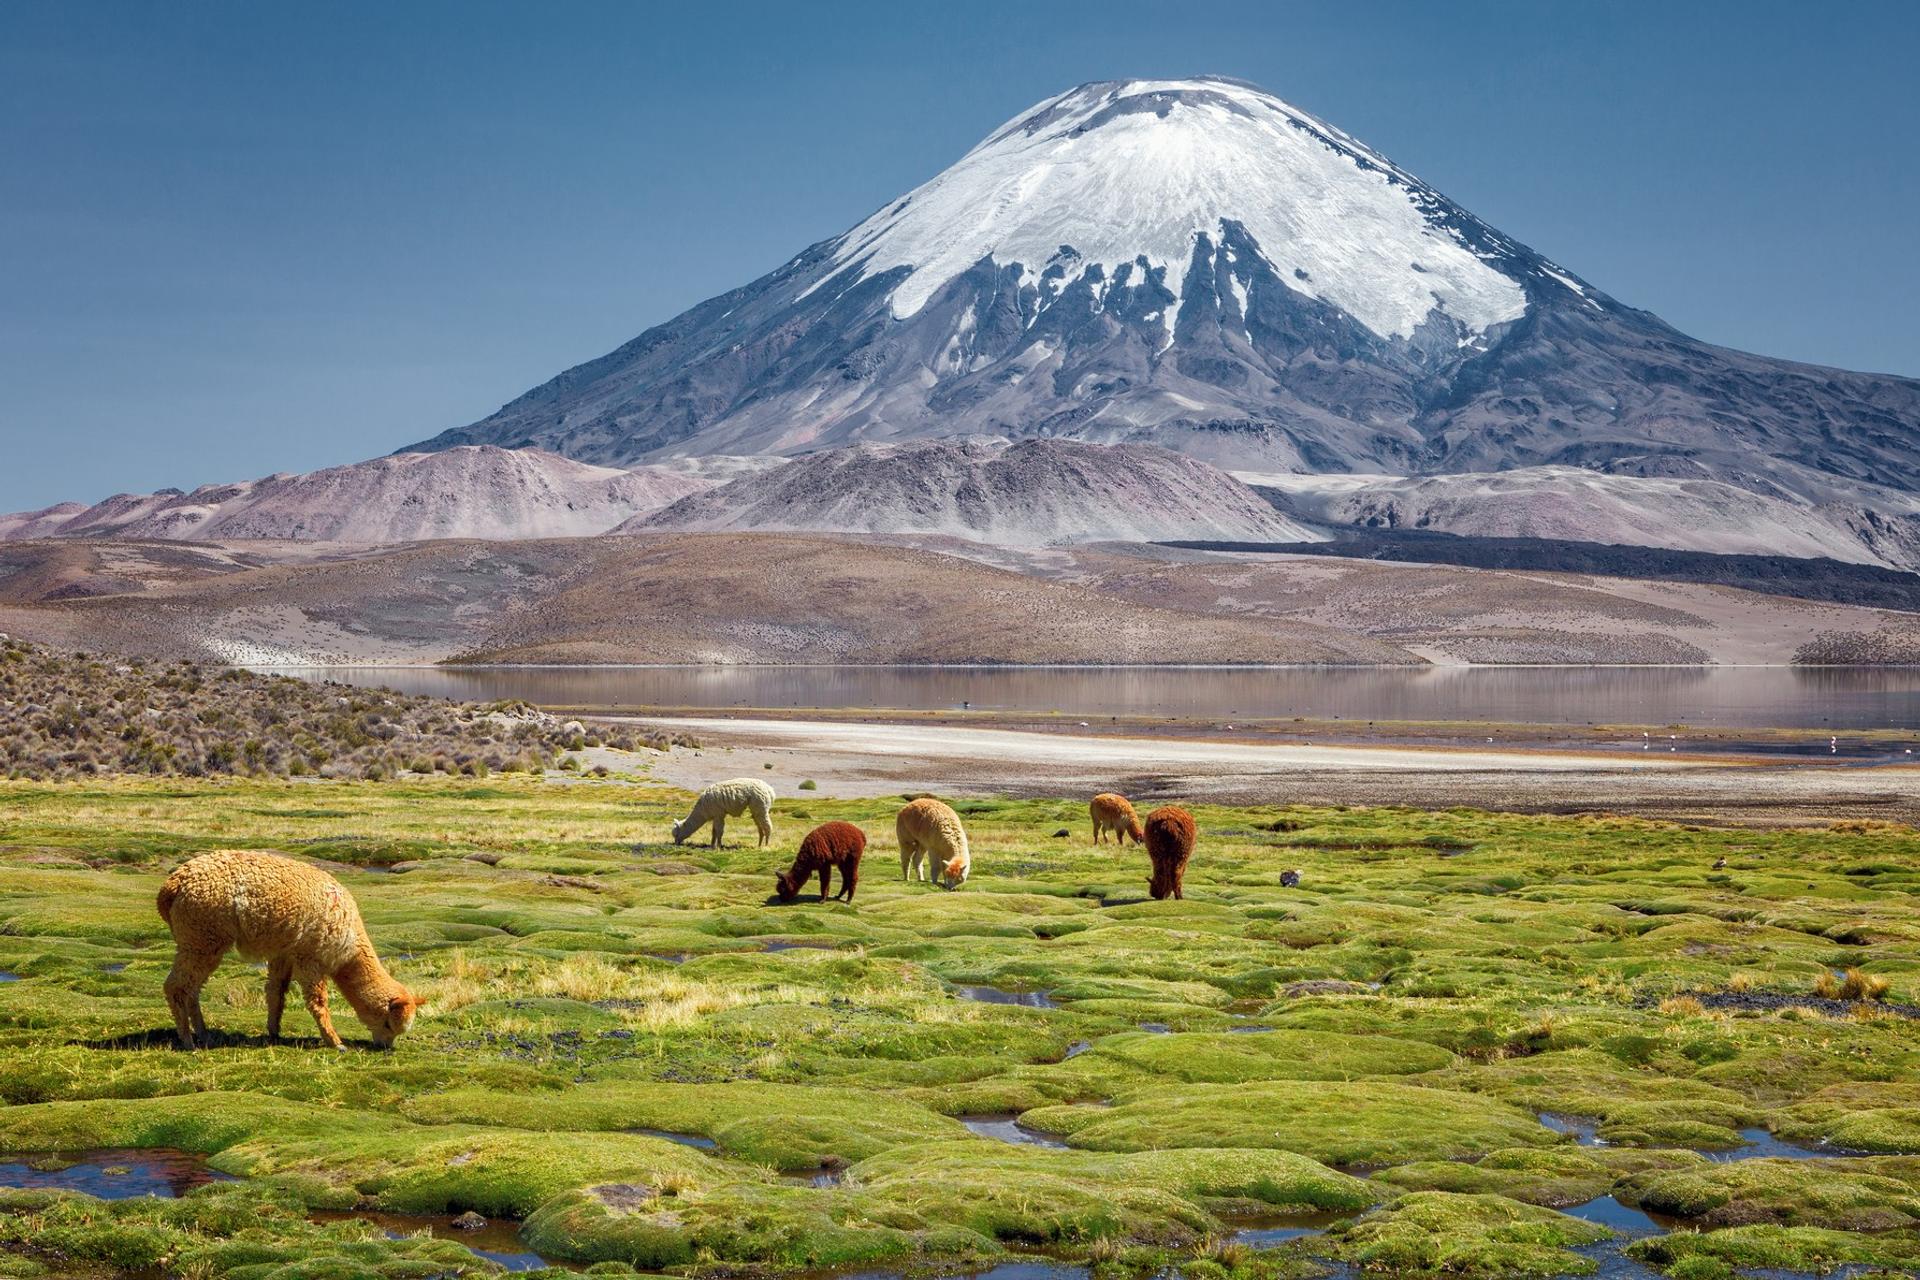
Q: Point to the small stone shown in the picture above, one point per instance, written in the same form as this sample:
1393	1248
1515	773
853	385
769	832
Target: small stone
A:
624	1196
469	1221
1062	834
1289	879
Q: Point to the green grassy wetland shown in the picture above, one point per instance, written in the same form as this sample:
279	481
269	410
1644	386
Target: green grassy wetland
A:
632	1061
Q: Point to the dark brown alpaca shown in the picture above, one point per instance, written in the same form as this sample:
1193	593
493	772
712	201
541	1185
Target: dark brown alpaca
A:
1169	844
829	845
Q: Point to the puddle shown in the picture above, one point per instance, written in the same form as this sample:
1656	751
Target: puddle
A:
9	977
998	995
824	1180
798	946
684	1139
1248	1029
1759	1144
671	957
1264	1232
1585	1129
1037	1270
1762	1145
499	1241
115	1174
1608	1212
117	966
1612	1264
1007	1129
1077	1048
1156	1028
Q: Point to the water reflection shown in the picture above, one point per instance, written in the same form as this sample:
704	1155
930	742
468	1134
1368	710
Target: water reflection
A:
118	1174
1706	697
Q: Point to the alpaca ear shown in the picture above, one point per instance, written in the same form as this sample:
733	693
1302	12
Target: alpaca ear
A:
399	1004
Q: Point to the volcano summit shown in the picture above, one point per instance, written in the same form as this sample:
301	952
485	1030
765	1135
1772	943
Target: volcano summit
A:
1198	265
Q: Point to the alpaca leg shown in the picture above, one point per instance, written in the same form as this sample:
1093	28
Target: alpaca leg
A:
199	1017
849	877
279	976
316	989
826	881
719	829
906	862
765	824
190	971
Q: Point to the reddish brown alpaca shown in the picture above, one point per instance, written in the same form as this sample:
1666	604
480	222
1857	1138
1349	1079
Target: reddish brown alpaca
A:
1170	836
829	845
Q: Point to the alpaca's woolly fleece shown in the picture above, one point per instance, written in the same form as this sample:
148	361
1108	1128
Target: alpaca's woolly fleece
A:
297	918
1170	837
929	832
1113	812
729	799
829	845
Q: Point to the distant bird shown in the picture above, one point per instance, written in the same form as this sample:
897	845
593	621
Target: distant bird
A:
1289	879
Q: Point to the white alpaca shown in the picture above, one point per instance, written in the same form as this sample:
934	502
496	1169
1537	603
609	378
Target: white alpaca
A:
930	832
725	800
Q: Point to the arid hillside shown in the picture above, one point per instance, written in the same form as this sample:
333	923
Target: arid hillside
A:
777	598
1455	615
666	597
475	492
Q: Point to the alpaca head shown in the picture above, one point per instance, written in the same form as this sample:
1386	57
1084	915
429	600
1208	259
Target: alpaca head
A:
787	885
682	829
1161	883
1134	829
954	873
390	1015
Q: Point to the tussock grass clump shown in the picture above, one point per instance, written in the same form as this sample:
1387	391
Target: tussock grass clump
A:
1851	985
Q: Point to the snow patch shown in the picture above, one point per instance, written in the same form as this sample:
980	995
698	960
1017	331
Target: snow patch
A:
1140	169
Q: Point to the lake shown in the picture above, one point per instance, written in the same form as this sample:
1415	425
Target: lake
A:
1831	698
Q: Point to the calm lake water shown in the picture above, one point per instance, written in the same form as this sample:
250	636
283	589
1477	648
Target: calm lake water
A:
1702	697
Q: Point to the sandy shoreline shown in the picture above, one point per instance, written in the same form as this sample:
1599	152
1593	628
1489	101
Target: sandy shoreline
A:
846	759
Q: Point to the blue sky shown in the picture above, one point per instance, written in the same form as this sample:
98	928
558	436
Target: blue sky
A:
243	238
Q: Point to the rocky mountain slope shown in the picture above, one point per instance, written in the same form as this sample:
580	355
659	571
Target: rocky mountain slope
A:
1577	504
1199	265
470	492
1032	492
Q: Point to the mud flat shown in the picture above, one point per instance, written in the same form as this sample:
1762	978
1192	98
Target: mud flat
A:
848	759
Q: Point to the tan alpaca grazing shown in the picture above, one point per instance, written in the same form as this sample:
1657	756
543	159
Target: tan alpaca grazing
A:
1114	812
295	917
930	833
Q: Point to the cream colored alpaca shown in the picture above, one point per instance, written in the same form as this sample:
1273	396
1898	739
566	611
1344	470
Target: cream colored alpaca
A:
1114	812
295	917
725	800
930	833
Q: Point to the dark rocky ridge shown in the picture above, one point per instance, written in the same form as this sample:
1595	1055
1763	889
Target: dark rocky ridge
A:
1833	581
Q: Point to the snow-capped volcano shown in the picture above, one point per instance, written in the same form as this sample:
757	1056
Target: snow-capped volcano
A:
1109	181
1198	265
